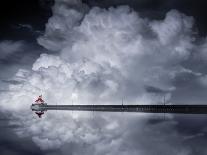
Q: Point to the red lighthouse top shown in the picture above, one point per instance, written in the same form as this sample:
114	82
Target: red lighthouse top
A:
40	100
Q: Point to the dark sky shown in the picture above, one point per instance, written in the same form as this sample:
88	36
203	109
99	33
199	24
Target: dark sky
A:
17	12
24	20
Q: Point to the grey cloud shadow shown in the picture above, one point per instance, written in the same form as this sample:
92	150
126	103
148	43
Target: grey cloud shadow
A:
14	82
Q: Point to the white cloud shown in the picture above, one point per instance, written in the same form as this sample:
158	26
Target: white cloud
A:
66	15
103	56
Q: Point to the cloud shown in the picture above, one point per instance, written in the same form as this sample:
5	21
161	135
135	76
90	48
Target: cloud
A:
103	55
57	26
9	47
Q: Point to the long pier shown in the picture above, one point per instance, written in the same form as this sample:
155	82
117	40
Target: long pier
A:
182	109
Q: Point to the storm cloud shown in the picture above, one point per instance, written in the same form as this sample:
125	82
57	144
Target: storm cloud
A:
104	55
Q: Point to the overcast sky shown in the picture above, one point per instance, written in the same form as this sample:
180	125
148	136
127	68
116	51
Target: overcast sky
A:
103	51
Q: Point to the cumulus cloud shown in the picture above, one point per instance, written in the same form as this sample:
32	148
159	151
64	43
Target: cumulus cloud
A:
67	14
102	56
